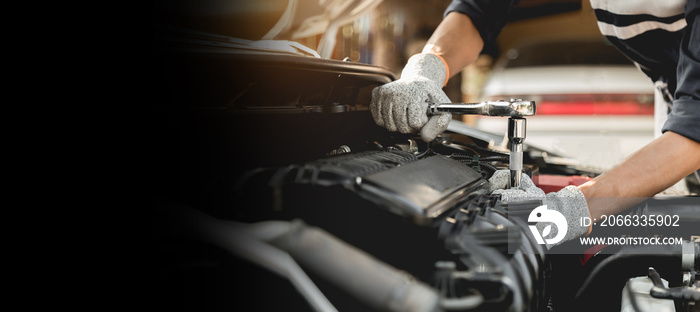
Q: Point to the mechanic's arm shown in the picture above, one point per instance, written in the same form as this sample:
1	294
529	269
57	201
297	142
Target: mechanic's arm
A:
672	156
652	169
655	167
457	41
401	105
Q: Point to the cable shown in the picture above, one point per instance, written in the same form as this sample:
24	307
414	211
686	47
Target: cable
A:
496	157
236	239
488	158
462	303
424	153
488	165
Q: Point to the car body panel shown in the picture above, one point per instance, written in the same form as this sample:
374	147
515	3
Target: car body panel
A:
567	79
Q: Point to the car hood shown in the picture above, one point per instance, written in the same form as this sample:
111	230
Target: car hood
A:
568	79
268	20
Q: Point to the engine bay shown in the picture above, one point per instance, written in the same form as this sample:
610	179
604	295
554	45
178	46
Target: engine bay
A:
274	189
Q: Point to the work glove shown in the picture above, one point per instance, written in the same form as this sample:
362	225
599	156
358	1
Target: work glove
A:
402	105
559	220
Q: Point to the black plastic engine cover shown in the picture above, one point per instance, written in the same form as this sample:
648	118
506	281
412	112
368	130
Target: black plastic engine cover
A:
424	189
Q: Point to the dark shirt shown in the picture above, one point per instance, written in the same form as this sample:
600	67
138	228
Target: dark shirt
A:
661	37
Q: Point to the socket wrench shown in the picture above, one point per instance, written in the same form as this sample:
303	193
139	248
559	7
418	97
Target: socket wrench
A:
515	109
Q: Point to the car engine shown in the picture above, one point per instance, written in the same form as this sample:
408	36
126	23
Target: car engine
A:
273	189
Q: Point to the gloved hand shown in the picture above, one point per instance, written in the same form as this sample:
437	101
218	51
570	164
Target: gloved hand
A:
401	105
564	208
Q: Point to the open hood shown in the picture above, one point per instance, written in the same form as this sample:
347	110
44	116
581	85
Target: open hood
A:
255	20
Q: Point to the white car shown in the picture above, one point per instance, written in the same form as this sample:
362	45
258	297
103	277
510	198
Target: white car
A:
593	104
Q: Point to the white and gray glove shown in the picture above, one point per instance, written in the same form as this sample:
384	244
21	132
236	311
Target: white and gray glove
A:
564	208
402	105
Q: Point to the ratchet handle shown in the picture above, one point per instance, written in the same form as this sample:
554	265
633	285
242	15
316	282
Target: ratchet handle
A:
457	108
512	108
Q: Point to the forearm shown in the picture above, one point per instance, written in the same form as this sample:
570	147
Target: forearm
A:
652	169
457	41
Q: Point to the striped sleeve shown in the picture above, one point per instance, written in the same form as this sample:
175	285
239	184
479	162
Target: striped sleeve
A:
630	18
663	39
644	30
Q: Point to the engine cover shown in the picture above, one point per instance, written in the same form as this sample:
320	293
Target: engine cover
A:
424	189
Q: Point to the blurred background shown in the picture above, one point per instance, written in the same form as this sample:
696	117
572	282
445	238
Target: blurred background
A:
594	105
